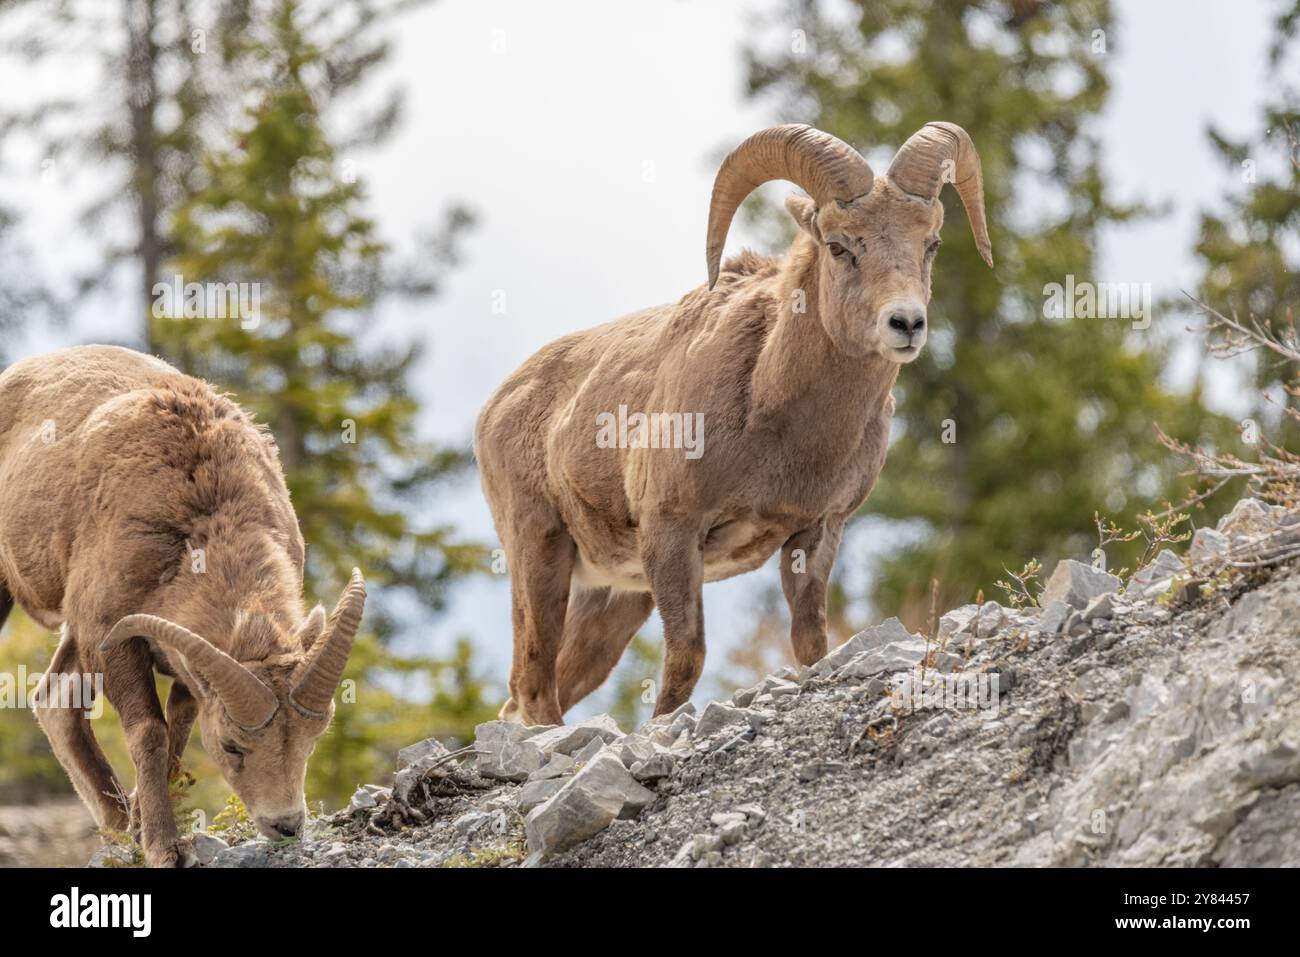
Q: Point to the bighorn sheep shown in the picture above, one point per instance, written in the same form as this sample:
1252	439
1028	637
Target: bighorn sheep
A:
149	517
788	364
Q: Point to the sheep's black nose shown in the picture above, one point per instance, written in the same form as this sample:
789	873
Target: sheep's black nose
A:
906	324
288	827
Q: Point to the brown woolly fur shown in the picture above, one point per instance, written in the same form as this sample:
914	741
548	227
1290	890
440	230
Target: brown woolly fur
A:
147	516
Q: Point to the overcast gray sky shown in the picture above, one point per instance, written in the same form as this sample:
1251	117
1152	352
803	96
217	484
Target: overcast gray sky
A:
582	135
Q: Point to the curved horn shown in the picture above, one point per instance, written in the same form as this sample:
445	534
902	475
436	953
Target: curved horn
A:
317	677
249	702
941	153
824	167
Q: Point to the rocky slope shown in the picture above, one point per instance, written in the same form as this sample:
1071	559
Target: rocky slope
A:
1157	725
58	833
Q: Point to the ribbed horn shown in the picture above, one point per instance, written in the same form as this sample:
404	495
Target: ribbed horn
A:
824	167
943	152
249	703
319	674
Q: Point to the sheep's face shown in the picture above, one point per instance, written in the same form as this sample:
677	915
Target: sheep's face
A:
873	262
266	768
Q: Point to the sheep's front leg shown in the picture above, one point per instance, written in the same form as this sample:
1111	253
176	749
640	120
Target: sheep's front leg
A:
672	553
128	683
806	561
182	709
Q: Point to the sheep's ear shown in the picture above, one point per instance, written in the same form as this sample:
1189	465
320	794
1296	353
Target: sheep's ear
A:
802	209
312	628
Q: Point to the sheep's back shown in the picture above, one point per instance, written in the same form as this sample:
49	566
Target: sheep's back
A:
107	452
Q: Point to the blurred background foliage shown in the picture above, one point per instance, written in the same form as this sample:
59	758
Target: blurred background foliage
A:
226	167
256	193
1248	249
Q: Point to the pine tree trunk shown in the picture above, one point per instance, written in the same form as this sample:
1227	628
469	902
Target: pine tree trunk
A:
142	96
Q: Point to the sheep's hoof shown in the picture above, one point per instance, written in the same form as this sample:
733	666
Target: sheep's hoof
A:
510	712
175	853
533	710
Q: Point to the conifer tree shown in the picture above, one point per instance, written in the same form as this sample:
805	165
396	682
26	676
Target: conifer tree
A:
1248	249
1018	424
279	219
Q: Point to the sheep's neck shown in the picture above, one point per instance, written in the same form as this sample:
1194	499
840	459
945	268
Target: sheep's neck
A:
803	384
260	573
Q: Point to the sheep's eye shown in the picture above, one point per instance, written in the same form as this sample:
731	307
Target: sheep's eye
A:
836	249
933	248
232	749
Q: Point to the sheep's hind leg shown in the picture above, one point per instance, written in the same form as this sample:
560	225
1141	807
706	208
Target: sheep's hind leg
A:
540	553
73	742
599	625
672	553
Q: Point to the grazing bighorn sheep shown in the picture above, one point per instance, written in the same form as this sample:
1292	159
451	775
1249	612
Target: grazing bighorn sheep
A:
789	362
149	517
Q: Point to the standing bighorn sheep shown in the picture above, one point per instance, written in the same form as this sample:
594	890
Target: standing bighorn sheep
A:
149	517
788	363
